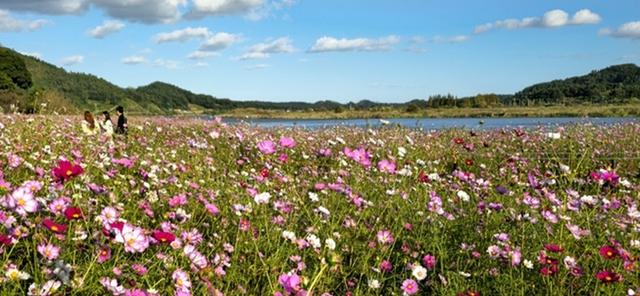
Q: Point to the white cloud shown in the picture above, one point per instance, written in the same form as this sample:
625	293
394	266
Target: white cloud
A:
202	8
183	35
106	28
169	64
9	24
586	16
199	55
264	50
73	60
46	6
326	44
629	30
201	64
257	67
219	41
134	60
551	19
451	39
145	11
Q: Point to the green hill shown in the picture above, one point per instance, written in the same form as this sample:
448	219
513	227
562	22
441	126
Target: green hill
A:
32	85
615	84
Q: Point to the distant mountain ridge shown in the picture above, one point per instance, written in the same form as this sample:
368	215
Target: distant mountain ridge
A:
54	88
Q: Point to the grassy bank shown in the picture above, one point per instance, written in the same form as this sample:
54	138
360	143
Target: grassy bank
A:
551	111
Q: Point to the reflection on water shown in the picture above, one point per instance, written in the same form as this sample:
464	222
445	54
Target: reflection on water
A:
434	123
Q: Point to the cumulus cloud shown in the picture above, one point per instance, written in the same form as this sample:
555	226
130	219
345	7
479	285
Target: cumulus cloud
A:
219	41
202	8
629	30
551	19
73	60
264	50
10	24
108	27
145	11
46	6
199	55
326	44
183	35
134	60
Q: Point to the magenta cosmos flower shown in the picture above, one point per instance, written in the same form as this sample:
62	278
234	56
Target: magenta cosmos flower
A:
66	170
267	147
409	287
287	142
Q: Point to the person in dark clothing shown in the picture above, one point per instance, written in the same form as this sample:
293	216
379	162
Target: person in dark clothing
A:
121	128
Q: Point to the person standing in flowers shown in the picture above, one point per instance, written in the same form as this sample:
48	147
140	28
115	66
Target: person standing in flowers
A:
121	128
89	126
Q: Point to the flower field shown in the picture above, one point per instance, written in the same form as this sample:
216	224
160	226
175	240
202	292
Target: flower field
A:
194	207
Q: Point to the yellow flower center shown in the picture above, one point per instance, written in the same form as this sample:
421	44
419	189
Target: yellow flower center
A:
54	228
69	172
21	202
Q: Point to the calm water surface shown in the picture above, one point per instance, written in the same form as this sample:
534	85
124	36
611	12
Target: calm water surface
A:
435	123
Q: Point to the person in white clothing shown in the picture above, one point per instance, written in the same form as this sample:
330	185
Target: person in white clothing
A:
106	126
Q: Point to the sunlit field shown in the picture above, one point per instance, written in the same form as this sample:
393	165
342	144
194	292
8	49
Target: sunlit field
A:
194	207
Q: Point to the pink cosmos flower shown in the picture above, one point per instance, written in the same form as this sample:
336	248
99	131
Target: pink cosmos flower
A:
385	237
49	251
104	254
388	166
267	147
197	259
290	283
22	199
133	238
14	160
178	200
58	205
410	287
287	142
181	280
109	215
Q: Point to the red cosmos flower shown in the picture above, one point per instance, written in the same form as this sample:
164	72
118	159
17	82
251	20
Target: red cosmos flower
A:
422	177
5	239
549	270
458	141
115	225
66	170
469	293
54	227
608	252
73	213
608	277
163	237
468	161
553	248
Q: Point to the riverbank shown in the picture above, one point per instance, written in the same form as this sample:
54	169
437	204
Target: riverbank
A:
629	110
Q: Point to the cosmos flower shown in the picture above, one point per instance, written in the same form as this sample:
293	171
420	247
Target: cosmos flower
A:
608	252
384	237
54	227
410	287
608	277
73	213
163	237
133	238
287	142
49	251
66	170
267	147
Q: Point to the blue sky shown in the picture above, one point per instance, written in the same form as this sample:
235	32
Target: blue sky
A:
343	50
